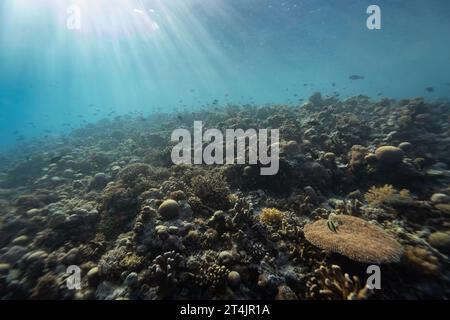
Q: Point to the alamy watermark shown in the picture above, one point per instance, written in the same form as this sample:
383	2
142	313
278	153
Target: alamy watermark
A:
73	17
73	281
234	144
73	22
374	20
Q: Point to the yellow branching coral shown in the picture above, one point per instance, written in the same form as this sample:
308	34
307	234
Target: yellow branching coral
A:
271	216
333	284
354	238
132	262
378	195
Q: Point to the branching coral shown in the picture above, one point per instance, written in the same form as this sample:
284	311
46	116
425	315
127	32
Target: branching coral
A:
117	260
163	270
331	283
212	190
212	275
354	238
422	261
132	262
271	216
379	195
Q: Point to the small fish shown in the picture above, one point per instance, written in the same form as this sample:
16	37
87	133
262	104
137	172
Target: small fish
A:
333	84
356	77
430	89
332	226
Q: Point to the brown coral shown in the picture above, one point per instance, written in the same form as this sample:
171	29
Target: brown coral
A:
422	261
354	238
379	195
333	284
271	216
212	190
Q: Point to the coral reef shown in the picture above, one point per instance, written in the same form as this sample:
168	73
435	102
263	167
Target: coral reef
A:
359	181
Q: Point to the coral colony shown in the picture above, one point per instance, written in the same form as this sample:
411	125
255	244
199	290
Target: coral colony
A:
357	206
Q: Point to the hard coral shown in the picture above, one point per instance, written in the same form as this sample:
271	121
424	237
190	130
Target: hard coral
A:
378	195
46	288
271	216
131	173
422	261
354	238
330	283
212	190
118	260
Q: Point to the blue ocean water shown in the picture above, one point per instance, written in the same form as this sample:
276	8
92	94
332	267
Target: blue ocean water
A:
147	56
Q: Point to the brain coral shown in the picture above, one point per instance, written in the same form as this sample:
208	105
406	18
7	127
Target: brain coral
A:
354	238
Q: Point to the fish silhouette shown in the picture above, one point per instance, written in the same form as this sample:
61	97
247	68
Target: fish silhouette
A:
356	77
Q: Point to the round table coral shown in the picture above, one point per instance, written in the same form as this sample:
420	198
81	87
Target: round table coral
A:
354	238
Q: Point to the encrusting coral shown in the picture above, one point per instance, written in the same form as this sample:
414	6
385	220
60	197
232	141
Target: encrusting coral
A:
354	238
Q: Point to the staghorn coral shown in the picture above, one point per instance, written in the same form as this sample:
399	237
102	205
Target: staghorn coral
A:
379	195
331	283
354	238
